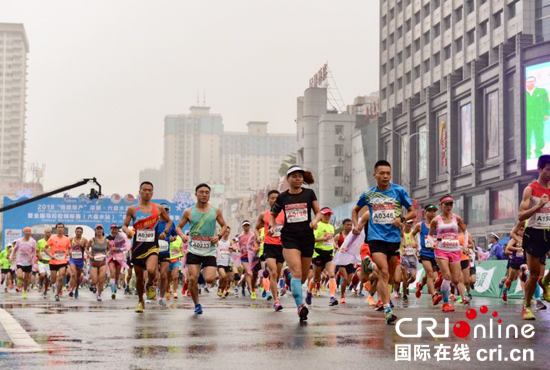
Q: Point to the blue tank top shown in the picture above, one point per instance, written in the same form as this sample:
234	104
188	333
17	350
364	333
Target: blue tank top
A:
424	232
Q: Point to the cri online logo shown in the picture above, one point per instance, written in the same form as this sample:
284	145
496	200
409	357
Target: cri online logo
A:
462	329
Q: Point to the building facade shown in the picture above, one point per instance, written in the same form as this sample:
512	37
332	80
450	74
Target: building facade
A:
157	177
197	149
333	145
451	94
14	48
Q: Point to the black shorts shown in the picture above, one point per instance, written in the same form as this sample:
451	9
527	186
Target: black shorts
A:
536	242
274	251
225	268
203	261
388	248
164	257
25	268
57	267
515	266
350	269
322	258
464	264
262	257
472	270
6	271
432	260
142	251
304	242
508	264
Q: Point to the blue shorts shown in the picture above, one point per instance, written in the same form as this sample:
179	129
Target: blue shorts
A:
174	265
78	263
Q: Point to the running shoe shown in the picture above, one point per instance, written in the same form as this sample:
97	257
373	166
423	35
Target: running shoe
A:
189	293
390	317
308	298
446	307
113	295
465	302
139	307
24	294
391	303
71	293
418	292
528	313
269	296
459	300
277	306
405	298
505	296
370	300
452	298
545	290
264	293
436	298
45	294
361	294
303	312
396	295
470	296
379	306
540	305
206	290
162	303
334	302
220	293
253	296
243	292
57	298
151	294
127	290
342	300
99	298
198	309
175	295
283	292
501	284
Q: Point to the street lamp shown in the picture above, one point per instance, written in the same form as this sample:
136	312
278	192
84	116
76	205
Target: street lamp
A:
407	139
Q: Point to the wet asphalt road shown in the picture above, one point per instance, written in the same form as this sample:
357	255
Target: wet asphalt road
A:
240	333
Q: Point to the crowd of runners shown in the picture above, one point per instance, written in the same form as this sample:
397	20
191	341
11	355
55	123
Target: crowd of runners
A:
292	248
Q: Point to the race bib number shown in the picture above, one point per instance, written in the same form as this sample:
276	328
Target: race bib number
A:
59	256
409	251
146	236
201	244
44	255
519	254
277	231
543	220
99	257
428	243
296	212
383	214
329	242
451	244
76	255
163	246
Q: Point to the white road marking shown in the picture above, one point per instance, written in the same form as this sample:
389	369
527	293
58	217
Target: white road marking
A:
20	338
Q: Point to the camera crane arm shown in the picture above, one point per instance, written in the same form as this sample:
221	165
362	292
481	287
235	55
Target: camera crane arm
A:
50	193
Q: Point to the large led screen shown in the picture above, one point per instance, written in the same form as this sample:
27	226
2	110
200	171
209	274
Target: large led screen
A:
537	112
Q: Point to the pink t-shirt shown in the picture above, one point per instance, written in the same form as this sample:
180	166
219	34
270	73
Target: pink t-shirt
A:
25	252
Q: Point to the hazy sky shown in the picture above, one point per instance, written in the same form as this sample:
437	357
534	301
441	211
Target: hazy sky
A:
103	74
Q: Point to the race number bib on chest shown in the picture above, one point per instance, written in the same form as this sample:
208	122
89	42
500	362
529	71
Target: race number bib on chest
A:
146	236
201	243
59	256
76	255
296	212
542	219
383	214
163	246
99	257
451	244
428	243
409	251
277	231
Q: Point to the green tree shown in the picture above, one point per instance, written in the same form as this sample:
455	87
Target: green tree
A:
289	161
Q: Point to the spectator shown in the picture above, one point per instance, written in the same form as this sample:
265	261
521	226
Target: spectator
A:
496	251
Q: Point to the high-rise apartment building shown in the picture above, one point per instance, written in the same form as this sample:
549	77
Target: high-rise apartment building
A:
14	47
197	149
452	77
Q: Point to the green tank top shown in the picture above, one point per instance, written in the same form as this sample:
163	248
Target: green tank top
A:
408	241
203	227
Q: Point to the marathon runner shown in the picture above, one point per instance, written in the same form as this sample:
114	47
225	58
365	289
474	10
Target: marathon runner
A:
76	260
43	261
223	261
58	248
251	263
297	233
535	209
5	263
176	254
145	245
385	202
409	260
514	250
116	261
273	248
448	249
322	258
164	255
24	256
201	252
97	254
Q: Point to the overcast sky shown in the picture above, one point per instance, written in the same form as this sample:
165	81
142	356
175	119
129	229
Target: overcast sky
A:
103	74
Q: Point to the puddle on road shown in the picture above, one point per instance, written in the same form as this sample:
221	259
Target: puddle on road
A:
156	351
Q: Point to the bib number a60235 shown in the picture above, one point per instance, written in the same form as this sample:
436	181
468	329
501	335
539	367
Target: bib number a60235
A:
145	236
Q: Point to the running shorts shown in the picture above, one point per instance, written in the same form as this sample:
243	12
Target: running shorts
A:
25	268
6	271
174	265
164	257
57	267
225	268
472	270
452	257
410	263
350	269
515	266
274	251
536	242
203	261
432	260
304	242
388	248
323	257
44	268
464	264
79	263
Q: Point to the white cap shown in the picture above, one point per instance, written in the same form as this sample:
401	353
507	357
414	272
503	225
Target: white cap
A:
294	169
